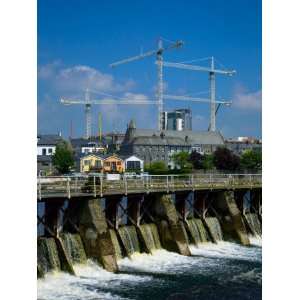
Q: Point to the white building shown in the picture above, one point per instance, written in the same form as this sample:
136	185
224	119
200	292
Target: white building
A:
133	163
46	144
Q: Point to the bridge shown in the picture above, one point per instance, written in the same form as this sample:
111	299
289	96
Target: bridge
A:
98	186
103	213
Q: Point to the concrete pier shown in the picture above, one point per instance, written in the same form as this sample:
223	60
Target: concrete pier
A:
95	234
231	217
172	231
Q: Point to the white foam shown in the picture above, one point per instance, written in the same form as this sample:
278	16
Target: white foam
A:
88	283
93	282
255	240
161	261
226	250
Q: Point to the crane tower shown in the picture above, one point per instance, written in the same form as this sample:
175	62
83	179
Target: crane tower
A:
212	79
159	61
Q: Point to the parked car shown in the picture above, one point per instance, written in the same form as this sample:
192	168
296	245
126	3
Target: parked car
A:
129	174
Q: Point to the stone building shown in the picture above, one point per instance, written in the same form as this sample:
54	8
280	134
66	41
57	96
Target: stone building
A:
152	145
240	145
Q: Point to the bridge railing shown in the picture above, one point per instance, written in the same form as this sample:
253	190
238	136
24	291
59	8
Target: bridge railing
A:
75	186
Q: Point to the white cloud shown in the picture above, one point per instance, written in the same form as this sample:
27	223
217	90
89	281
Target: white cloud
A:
247	100
135	97
77	78
48	71
60	81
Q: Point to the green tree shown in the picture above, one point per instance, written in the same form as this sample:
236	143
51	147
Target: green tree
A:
196	159
251	160
226	160
157	168
208	162
63	158
182	161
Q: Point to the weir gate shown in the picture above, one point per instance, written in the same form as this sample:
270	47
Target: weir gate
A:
92	217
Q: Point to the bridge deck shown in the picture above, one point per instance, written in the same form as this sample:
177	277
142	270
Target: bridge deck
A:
86	186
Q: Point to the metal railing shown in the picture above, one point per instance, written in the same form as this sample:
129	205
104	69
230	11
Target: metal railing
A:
77	186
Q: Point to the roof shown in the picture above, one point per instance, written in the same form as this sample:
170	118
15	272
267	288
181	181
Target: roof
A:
82	142
105	156
173	137
125	157
157	140
44	158
49	139
90	154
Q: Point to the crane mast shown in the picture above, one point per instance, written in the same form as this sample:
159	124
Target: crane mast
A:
160	86
159	62
87	102
88	115
212	81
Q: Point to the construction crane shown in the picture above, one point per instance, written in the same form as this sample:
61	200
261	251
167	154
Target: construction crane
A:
195	99
159	61
212	78
87	102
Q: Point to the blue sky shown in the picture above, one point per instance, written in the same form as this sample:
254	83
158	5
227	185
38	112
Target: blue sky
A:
77	40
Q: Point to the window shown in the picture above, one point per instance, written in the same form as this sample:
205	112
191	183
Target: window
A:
86	162
50	151
133	165
98	163
44	151
107	164
118	163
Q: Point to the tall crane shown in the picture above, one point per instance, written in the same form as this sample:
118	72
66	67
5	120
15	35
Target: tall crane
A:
87	102
212	79
159	61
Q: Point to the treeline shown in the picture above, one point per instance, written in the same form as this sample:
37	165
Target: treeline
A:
222	159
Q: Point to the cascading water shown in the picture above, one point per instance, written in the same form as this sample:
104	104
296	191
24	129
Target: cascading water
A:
129	239
74	247
197	231
254	224
47	255
150	236
214	227
116	244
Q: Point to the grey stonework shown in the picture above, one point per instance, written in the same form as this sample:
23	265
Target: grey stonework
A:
152	145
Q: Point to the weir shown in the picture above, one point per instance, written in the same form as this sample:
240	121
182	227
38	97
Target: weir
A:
129	238
108	229
253	223
198	233
150	237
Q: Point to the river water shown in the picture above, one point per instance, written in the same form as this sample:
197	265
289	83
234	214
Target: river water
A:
214	271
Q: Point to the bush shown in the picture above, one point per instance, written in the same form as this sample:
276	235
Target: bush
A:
224	159
63	158
182	162
208	162
157	168
251	160
196	159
